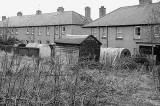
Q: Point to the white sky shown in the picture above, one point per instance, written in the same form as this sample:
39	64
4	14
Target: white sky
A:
11	7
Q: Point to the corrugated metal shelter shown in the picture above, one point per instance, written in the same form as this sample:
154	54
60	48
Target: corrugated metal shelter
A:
111	55
74	47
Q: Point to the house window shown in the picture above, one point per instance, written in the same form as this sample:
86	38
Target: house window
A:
39	31
12	31
1	32
27	31
156	31
39	41
32	31
47	31
94	32
56	32
63	30
104	33
119	34
27	41
16	31
137	32
47	41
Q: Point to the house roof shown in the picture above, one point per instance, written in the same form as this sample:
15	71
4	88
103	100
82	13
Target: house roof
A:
74	39
130	15
55	18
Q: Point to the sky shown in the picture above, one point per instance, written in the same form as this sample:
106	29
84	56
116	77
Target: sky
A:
11	7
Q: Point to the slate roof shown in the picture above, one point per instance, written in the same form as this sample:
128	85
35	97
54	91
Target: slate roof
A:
130	15
55	18
73	39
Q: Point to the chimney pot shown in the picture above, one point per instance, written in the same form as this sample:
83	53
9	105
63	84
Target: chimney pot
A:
19	13
60	9
38	12
88	12
142	2
102	11
3	18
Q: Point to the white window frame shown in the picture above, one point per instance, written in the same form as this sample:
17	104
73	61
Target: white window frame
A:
63	30
156	31
16	31
12	31
39	31
119	33
1	32
32	31
28	30
104	36
94	31
47	30
56	32
136	36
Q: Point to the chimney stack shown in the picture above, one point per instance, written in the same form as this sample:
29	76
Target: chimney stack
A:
142	2
87	12
3	18
19	13
102	11
60	9
38	12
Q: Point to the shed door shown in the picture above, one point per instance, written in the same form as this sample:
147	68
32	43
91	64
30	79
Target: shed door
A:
90	49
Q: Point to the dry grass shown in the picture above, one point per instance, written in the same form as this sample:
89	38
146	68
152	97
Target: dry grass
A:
47	82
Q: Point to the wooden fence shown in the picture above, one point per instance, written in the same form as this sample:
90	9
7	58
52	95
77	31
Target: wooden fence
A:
6	48
26	51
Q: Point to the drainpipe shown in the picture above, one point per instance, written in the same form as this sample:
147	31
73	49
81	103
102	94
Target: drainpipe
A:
107	37
99	33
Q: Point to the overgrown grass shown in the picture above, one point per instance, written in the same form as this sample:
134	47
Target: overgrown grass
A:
47	82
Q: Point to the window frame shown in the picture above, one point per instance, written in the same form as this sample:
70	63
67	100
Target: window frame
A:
137	36
56	32
47	31
47	42
16	31
28	31
94	32
39	31
156	32
63	30
12	31
1	32
32	31
39	41
119	33
104	33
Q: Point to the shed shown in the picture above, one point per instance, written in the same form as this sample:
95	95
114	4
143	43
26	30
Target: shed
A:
44	49
75	47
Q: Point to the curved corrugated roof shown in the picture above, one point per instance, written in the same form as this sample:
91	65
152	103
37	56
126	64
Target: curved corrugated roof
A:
130	15
55	18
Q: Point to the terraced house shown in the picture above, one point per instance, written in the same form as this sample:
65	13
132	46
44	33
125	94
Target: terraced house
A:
44	27
134	27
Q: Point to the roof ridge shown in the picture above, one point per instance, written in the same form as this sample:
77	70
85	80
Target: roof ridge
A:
103	16
39	14
139	5
95	23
